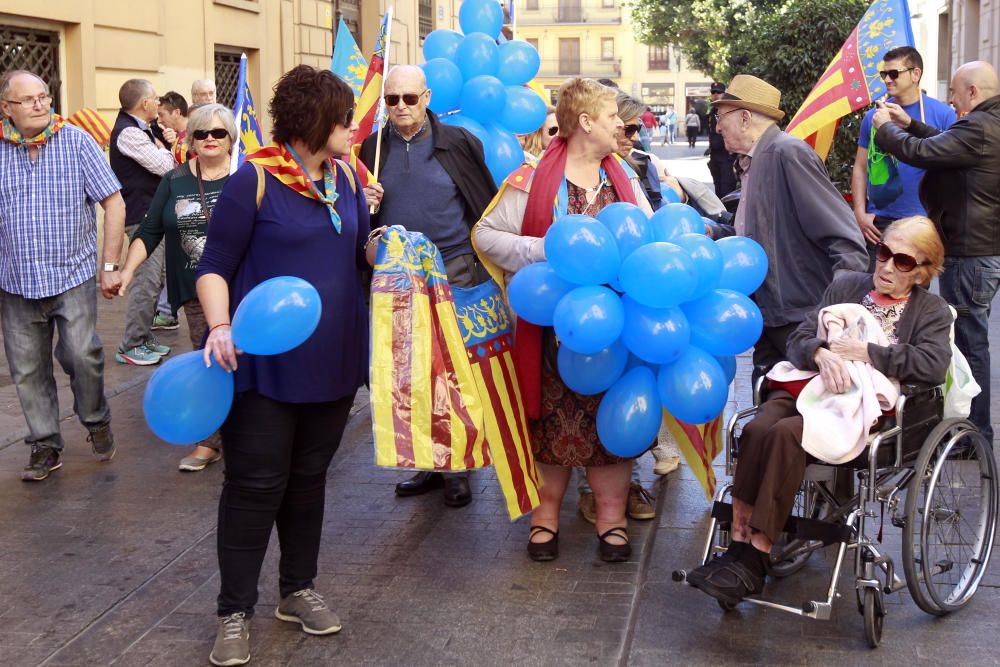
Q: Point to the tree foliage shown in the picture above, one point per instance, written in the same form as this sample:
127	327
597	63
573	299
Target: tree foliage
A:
788	43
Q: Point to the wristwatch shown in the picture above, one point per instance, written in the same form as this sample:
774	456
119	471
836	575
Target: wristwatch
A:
108	267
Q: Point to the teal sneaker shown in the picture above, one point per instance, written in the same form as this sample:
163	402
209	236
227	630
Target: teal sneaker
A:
154	346
164	322
137	356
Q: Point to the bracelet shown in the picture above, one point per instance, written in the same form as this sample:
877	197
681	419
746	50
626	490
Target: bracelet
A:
224	324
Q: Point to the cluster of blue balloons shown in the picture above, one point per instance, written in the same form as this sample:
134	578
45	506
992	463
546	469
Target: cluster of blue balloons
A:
648	309
186	402
484	80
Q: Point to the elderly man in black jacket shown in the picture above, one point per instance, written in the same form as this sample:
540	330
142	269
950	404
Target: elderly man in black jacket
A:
433	179
961	192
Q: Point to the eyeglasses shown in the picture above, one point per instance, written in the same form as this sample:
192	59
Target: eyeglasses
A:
904	263
215	133
630	130
348	117
409	99
893	73
716	114
554	130
29	102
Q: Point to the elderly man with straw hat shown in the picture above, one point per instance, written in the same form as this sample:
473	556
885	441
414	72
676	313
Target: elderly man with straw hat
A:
789	206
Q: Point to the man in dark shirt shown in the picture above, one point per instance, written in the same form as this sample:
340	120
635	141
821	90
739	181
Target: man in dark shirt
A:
720	160
432	179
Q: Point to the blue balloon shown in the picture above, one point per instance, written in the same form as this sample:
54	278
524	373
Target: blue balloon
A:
445	83
519	62
728	364
589	319
535	290
441	43
481	16
655	335
724	322
503	153
693	388
473	126
672	220
707	260
186	402
482	97
635	362
628	224
276	316
744	264
523	112
477	55
659	275
582	250
670	194
629	416
590	374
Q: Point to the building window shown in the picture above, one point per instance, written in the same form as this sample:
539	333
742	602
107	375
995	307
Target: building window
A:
607	48
531	4
569	56
425	19
350	11
608	4
227	77
533	41
34	50
659	57
570	11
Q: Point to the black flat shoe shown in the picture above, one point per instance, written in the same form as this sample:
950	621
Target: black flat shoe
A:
543	551
615	553
456	490
728	582
420	483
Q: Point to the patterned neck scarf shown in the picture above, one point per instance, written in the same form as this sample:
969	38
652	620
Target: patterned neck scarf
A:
10	134
280	161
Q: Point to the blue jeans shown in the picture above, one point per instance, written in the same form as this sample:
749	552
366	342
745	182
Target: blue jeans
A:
969	284
28	325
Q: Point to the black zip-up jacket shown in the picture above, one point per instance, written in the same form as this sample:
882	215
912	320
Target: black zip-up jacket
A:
961	187
461	155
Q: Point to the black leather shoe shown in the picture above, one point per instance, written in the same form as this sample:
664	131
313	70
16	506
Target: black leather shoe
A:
420	483
611	552
543	551
456	490
729	582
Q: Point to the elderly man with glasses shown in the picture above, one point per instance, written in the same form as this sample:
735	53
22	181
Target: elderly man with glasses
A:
51	174
433	179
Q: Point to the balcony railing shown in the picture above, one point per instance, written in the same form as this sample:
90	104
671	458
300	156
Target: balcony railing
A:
594	69
590	14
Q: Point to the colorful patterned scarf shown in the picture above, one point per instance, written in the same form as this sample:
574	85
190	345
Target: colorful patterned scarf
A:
280	161
10	134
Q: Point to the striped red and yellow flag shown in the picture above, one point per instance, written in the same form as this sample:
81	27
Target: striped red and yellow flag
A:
93	124
371	92
700	444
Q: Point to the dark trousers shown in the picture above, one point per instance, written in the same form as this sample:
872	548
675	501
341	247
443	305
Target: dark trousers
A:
692	135
723	174
771	464
276	456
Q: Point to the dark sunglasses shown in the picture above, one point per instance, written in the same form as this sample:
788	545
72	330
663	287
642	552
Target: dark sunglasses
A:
893	73
903	263
554	130
631	129
348	117
409	99
215	133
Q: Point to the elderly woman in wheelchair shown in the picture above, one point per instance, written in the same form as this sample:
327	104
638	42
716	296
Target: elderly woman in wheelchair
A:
771	459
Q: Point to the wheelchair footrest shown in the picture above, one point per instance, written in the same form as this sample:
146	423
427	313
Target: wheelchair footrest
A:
795	527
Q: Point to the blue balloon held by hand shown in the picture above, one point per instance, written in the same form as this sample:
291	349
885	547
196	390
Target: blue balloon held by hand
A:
481	16
519	62
477	55
184	401
582	250
523	112
503	153
445	81
534	292
628	224
655	335
590	374
441	43
728	364
659	275
724	322
672	220
707	261
473	126
694	388
482	97
589	319
276	316
744	264
629	416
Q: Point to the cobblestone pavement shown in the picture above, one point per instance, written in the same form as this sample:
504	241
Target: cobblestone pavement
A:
115	564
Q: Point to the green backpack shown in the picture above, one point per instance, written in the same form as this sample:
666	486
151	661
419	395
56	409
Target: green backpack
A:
884	183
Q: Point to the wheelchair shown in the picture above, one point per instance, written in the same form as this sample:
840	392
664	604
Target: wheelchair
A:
947	514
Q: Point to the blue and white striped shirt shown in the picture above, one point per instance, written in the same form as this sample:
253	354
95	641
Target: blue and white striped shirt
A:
48	225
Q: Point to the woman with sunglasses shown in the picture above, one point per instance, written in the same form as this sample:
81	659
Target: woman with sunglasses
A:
772	461
652	174
580	173
536	142
180	212
290	410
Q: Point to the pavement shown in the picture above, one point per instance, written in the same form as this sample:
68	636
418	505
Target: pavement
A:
115	564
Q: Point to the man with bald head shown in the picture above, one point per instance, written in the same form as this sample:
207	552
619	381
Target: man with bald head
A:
961	192
432	179
202	92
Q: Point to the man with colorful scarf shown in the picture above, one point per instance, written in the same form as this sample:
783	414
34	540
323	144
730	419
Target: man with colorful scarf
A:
50	176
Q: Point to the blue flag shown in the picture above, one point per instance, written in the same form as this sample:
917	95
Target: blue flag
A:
247	125
348	63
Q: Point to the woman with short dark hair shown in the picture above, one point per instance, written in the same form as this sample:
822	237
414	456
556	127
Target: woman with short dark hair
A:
290	409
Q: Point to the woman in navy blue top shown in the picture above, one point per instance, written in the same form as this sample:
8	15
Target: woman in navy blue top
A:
290	409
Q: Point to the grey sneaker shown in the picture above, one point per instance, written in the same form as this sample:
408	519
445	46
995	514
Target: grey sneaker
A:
306	607
137	356
102	442
154	346
43	460
232	643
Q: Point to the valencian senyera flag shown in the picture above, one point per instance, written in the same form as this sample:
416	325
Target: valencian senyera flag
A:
851	82
699	445
250	139
444	393
93	124
371	93
348	62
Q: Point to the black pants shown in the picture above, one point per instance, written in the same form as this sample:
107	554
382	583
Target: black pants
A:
723	174
276	458
692	135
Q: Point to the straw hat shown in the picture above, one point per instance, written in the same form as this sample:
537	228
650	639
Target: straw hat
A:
749	92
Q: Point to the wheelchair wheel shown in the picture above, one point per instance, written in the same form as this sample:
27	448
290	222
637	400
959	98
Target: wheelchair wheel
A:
874	617
809	505
951	510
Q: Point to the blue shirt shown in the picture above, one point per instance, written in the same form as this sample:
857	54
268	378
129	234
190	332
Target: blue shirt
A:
48	225
936	114
291	235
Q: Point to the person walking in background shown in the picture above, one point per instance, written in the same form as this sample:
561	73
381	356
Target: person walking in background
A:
669	120
692	127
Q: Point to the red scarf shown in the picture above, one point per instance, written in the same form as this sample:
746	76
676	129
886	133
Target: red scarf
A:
538	217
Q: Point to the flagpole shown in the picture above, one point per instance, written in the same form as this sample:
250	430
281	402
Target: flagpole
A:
234	162
381	100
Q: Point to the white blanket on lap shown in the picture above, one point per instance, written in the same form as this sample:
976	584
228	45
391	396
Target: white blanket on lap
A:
835	426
